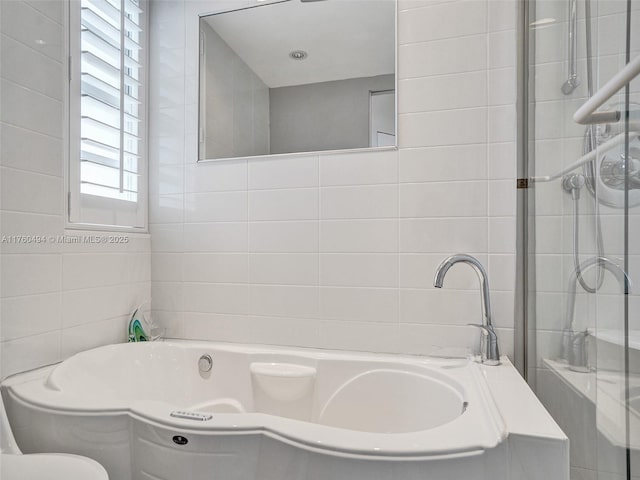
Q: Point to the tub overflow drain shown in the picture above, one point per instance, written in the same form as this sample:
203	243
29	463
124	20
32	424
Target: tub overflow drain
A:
205	363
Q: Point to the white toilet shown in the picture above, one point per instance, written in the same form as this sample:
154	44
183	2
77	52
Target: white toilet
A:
42	466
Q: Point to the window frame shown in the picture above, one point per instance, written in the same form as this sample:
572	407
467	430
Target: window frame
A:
92	212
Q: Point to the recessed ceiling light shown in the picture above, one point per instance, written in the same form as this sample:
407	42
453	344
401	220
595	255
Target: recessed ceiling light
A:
298	54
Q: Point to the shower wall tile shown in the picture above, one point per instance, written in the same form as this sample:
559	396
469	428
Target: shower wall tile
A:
462	90
502	198
425	24
359	236
170	93
443	199
45	192
501	164
454	55
359	270
32	69
215	267
283	237
441	235
375	201
215	176
17	223
502	308
167	208
501	271
502	49
168	296
338	250
167	267
166	180
215	207
25	24
359	304
30	274
215	298
442	164
501	14
26	108
441	307
111	302
411	4
502	235
450	127
53	10
283	301
283	331
283	172
447	340
167	237
85	337
283	268
22	316
502	123
79	270
33	351
55	298
32	151
289	204
364	336
361	168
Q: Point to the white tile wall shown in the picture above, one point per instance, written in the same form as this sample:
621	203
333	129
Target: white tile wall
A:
55	300
339	250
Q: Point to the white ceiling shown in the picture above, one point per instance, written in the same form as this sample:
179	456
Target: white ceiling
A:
344	39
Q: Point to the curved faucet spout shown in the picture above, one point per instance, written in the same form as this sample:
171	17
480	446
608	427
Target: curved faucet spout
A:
574	347
474	263
489	347
585	266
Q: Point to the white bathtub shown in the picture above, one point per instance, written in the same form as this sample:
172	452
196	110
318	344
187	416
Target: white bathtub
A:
270	413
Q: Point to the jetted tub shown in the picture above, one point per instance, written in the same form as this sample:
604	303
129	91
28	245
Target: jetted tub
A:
151	411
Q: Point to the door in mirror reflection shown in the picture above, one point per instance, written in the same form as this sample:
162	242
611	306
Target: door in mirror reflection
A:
297	76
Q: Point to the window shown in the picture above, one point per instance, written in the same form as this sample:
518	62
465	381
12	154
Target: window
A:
107	157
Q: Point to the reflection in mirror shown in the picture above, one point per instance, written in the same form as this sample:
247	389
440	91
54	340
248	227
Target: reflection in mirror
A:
297	76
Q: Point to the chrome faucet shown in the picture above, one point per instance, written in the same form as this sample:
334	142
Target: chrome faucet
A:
574	349
489	351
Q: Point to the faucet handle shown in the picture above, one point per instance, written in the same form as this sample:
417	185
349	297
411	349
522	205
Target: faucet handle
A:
489	353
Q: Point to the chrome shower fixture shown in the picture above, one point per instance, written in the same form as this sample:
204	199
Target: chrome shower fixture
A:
571	84
615	167
572	81
573	184
612	171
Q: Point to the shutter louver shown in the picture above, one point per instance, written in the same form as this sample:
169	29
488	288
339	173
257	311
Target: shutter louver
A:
110	71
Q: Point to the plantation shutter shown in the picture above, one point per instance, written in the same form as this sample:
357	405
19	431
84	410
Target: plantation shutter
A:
107	113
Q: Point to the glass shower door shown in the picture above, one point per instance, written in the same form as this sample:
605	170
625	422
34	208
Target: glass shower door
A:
583	242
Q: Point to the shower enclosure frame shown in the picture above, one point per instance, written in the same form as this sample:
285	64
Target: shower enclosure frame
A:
524	280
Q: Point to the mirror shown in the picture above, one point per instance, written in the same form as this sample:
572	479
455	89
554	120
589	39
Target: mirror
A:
297	76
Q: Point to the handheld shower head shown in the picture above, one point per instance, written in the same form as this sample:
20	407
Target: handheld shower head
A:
570	85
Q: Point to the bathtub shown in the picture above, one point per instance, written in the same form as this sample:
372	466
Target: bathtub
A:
155	411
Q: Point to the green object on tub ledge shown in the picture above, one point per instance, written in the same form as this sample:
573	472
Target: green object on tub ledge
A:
136	330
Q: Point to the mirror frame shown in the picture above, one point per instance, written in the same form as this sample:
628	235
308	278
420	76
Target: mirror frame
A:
291	154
